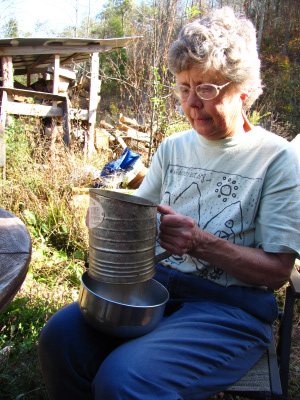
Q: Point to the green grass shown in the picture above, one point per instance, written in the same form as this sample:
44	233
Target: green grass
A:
51	283
38	190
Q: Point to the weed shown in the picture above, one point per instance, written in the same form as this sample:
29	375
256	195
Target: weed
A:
38	189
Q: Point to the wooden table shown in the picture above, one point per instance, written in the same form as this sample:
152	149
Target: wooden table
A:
15	255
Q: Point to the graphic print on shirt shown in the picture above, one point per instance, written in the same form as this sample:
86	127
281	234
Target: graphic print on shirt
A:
221	203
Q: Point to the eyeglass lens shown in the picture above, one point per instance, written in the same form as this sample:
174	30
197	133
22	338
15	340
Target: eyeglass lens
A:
205	91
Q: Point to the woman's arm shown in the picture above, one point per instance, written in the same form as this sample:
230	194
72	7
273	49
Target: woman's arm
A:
180	234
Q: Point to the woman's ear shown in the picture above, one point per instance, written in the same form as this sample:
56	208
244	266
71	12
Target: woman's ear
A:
244	96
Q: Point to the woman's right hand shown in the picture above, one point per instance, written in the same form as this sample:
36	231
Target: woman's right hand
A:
178	233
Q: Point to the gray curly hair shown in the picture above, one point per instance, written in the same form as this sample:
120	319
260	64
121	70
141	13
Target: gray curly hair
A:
223	42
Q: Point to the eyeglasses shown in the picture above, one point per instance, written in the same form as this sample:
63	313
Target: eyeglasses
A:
205	91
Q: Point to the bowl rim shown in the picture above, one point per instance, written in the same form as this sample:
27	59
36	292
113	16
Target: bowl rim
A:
124	304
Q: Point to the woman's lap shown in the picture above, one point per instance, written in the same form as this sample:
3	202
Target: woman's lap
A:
197	350
191	355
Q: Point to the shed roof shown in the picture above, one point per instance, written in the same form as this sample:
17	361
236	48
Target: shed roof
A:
35	54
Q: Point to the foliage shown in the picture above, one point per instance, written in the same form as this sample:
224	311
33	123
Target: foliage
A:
256	117
10	29
129	78
48	287
159	23
137	81
192	11
179	124
159	101
282	91
112	17
43	201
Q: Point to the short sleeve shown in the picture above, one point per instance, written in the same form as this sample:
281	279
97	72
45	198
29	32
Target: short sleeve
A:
278	221
151	186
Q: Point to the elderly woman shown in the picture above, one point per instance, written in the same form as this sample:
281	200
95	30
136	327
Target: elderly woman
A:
230	197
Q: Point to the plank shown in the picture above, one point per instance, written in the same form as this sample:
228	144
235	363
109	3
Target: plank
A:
34	94
10	284
41	60
36	110
4	102
66	73
2	148
53	49
15	255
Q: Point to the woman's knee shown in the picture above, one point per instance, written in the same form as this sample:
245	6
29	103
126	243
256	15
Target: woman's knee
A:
53	335
131	372
59	324
118	375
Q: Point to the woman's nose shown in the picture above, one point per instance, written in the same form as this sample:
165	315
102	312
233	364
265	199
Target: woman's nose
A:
193	100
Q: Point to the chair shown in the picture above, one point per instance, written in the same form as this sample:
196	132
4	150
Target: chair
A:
268	379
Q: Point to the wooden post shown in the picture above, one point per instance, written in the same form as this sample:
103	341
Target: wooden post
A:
2	150
3	108
28	78
56	73
7	71
93	102
54	103
8	81
55	76
66	122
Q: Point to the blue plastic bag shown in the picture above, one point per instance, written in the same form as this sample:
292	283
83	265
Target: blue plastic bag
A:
119	166
127	159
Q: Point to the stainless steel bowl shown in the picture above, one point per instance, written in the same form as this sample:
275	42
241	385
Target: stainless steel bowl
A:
123	310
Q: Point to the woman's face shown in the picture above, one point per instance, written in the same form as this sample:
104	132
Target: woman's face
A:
213	119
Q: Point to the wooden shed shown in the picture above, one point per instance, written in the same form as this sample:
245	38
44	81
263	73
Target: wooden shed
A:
52	57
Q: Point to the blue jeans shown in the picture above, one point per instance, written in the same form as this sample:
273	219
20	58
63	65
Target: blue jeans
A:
208	338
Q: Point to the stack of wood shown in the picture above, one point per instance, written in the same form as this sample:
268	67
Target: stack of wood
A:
80	96
67	81
131	131
126	133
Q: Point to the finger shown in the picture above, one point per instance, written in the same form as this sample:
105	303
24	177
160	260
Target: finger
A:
165	209
172	237
171	245
170	227
176	221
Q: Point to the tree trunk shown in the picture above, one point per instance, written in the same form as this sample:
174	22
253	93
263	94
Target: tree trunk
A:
287	28
261	25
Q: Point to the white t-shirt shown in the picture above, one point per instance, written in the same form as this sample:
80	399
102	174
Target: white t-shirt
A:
245	189
296	143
